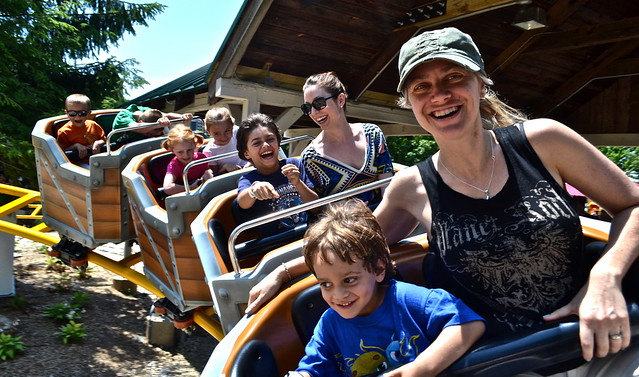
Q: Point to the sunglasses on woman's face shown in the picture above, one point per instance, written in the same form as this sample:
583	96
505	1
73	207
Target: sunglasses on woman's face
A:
318	103
73	113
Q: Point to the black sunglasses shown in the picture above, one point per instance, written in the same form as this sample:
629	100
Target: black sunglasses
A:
73	113
318	103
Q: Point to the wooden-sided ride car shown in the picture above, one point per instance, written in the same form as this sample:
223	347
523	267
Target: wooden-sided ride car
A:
87	207
162	225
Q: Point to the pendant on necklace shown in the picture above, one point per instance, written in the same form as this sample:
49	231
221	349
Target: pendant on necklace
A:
487	195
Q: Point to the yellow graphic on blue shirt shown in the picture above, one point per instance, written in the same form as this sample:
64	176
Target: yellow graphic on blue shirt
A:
374	359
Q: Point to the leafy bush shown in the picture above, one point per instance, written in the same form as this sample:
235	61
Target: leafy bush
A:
80	299
18	302
9	346
72	332
62	312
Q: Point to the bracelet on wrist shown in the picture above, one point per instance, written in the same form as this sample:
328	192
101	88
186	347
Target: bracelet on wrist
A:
288	274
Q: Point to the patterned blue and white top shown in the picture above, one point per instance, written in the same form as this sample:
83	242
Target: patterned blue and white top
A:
331	176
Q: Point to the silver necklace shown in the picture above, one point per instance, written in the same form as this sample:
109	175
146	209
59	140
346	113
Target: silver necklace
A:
492	171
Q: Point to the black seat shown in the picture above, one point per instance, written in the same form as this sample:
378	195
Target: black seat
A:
157	167
157	171
254	247
255	359
307	309
105	121
541	351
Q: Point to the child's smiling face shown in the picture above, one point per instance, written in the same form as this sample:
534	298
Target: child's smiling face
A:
222	132
350	289
80	113
262	148
184	151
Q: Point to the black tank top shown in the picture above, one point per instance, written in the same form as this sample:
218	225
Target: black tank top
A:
512	258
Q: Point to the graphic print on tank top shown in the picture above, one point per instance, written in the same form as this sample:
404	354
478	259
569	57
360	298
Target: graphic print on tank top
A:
515	257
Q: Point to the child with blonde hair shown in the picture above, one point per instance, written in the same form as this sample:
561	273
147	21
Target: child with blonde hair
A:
183	142
220	125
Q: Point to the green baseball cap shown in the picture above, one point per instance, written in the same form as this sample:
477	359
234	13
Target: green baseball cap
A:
447	43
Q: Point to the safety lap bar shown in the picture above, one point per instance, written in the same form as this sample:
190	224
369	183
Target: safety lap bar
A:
185	179
289	211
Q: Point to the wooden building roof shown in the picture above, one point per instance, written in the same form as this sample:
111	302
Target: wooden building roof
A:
581	69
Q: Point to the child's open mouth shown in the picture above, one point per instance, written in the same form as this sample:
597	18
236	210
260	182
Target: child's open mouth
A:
267	155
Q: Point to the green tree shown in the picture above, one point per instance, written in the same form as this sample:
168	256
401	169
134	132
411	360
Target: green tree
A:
42	45
627	158
409	150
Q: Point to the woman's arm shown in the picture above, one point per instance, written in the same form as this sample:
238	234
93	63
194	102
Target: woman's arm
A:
600	305
271	284
401	207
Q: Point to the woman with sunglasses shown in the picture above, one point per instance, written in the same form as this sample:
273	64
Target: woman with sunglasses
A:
343	155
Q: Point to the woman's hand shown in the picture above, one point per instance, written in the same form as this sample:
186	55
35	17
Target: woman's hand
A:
265	290
604	325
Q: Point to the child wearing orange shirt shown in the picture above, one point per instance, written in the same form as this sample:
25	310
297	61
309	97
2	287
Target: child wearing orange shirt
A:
79	133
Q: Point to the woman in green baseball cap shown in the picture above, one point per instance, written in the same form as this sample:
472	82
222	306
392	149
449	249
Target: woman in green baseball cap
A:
493	201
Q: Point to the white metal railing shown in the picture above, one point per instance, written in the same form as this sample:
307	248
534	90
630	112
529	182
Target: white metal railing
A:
289	211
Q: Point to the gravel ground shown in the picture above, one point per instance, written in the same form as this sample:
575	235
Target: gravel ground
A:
115	324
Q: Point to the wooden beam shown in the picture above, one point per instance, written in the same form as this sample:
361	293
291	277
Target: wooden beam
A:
613	140
457	9
614	32
381	61
389	129
557	15
252	95
583	77
238	42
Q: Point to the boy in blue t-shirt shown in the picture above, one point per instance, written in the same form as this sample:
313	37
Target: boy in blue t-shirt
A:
274	184
375	323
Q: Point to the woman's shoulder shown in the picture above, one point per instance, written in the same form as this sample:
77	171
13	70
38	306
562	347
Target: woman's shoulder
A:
543	127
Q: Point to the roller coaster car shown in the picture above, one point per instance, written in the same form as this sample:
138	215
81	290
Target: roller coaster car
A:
272	341
169	254
87	206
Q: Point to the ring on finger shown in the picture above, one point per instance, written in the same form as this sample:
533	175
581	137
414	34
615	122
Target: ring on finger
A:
616	336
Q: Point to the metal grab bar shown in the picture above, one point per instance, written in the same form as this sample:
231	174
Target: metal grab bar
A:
133	128
289	211
188	166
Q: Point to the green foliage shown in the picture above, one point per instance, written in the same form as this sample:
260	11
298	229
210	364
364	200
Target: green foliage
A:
62	312
9	346
72	332
54	264
409	150
68	311
80	299
627	158
45	45
18	302
63	283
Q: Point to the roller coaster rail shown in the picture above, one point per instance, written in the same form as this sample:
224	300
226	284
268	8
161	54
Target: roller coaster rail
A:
39	233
